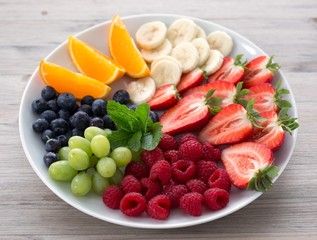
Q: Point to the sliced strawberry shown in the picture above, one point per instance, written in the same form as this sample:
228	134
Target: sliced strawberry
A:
232	70
190	80
165	97
249	165
259	70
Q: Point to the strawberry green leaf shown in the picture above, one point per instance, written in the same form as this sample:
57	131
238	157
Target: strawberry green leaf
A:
240	93
288	123
273	67
238	62
262	180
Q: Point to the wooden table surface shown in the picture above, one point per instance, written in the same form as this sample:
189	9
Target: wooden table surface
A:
30	29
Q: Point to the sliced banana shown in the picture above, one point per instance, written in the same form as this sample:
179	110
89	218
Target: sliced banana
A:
203	49
220	41
156	60
187	54
141	90
165	71
151	35
164	49
213	62
182	30
200	33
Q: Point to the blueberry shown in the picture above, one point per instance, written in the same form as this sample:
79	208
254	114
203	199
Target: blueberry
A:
121	96
46	135
48	115
48	93
133	107
80	120
99	107
87	100
52	105
39	105
63	139
52	145
59	126
108	123
66	101
50	158
78	132
86	108
64	114
97	122
40	124
75	108
154	116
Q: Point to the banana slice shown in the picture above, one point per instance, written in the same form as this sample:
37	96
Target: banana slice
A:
203	49
151	35
182	30
213	63
165	71
200	33
187	54
156	60
164	49
220	41
141	90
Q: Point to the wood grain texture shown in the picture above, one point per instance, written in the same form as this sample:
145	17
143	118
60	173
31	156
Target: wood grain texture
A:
29	30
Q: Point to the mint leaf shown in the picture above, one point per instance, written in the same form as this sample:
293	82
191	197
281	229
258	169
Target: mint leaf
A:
142	112
151	139
119	138
134	142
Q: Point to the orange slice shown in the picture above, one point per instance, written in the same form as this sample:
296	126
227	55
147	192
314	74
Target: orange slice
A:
124	51
93	63
64	80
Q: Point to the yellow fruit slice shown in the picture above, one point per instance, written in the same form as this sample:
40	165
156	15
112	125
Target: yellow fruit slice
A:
124	51
64	80
93	63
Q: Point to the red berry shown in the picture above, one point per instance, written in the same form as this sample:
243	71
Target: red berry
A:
175	193
211	153
196	185
152	156
167	142
220	179
150	188
216	198
186	137
112	197
159	207
192	203
137	169
183	171
205	169
171	156
133	204
161	170
191	150
130	184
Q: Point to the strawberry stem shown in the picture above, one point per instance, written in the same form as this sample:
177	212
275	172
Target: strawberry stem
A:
212	102
262	179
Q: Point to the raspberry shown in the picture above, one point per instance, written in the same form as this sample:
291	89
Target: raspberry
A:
211	153
192	203
205	169
167	142
159	207
171	156
196	185
183	171
186	137
137	169
216	198
152	156
161	170
150	188
220	179
133	204
112	197
175	193
190	150
130	184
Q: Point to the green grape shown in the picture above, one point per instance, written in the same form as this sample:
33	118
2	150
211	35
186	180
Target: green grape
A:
63	153
81	184
93	160
108	131
99	183
80	142
100	146
62	171
106	167
117	177
91	171
78	159
122	156
92	131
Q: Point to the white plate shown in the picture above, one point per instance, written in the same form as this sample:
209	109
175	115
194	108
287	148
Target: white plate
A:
92	204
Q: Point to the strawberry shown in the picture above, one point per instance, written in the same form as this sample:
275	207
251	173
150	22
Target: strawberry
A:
273	129
232	124
232	70
190	80
164	97
259	70
249	166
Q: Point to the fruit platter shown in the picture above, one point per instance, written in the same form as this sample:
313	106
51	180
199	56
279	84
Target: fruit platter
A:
158	121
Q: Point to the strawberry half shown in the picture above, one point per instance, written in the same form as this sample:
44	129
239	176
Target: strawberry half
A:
232	70
165	97
259	70
190	80
249	166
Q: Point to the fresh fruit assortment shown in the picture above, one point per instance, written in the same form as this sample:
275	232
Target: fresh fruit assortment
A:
219	122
